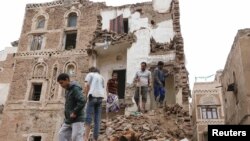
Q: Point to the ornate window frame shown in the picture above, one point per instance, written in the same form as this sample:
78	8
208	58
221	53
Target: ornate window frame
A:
66	18
29	89
35	21
70	63
45	71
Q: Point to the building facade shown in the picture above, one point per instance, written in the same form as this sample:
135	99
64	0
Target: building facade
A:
207	106
7	65
72	35
235	80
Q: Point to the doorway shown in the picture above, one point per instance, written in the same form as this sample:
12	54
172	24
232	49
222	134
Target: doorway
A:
121	83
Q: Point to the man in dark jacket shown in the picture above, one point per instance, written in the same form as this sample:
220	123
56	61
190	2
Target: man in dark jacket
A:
73	127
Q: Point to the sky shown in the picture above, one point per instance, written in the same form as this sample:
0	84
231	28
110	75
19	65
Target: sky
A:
207	26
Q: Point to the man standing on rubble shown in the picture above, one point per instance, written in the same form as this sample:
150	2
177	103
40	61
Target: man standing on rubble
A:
143	83
94	88
159	83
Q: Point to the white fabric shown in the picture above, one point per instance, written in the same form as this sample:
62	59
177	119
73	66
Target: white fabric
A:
112	104
96	83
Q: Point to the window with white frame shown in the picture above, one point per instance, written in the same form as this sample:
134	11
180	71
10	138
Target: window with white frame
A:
72	20
209	113
71	69
36	90
37	42
70	40
40	22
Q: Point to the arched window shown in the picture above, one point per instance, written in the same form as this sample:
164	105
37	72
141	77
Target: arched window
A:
72	19
71	69
40	22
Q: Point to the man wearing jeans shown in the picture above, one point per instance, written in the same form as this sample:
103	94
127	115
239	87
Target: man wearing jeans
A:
159	84
73	126
143	82
94	87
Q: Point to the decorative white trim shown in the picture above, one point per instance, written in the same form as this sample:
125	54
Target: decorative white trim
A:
66	15
47	53
45	71
53	83
35	20
49	4
70	63
72	10
209	100
210	121
215	91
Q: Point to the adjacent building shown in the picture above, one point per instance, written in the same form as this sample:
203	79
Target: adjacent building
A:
207	106
7	64
236	80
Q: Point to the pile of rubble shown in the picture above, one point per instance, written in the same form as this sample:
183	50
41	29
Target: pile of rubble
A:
169	124
156	47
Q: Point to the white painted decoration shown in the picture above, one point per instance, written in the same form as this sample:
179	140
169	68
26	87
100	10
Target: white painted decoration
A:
161	6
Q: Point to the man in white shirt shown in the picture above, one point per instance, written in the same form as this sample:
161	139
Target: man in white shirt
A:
94	88
143	82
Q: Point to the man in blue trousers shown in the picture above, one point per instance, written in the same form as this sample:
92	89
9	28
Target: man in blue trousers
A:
159	83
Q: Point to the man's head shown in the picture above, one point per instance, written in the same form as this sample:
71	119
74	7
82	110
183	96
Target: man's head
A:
94	69
143	66
160	64
114	75
63	80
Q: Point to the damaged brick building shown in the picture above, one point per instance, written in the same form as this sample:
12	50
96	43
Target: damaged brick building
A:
72	35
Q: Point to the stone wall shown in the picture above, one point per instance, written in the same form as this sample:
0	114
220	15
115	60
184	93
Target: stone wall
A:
7	65
19	125
23	117
7	68
236	73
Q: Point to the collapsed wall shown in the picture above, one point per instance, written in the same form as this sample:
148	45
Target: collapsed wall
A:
147	32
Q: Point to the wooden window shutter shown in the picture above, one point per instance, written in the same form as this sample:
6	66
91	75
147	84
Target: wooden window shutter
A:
116	25
120	24
111	25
